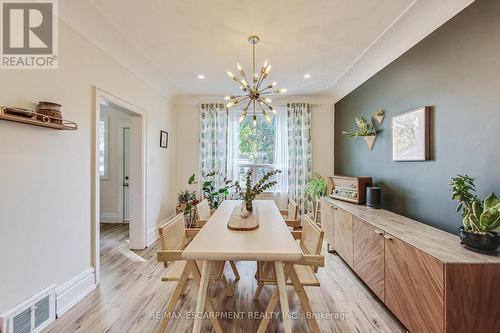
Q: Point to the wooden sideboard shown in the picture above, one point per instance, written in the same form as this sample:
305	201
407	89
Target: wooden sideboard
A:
421	273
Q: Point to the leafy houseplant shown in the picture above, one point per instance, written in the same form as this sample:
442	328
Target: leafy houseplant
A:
215	194
366	130
480	218
316	187
249	193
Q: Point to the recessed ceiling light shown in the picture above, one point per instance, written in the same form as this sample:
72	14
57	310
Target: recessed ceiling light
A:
201	76
306	76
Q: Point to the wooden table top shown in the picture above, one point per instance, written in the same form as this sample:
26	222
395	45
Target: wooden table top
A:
272	241
440	244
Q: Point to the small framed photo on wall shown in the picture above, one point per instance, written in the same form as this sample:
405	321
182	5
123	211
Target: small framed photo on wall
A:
163	139
410	135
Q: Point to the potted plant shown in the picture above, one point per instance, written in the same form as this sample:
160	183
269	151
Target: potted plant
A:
214	193
480	218
249	193
316	188
185	197
366	130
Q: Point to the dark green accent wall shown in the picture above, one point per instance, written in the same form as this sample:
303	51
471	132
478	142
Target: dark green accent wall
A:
456	70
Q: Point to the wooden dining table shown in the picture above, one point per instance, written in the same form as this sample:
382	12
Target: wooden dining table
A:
271	241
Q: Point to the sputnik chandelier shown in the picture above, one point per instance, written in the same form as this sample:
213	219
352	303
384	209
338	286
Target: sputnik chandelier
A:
256	94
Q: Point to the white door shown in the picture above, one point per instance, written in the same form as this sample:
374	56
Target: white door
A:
126	176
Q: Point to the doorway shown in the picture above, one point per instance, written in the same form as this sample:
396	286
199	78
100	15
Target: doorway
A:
119	185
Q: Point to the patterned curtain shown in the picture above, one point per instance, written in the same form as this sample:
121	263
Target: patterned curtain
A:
299	152
213	139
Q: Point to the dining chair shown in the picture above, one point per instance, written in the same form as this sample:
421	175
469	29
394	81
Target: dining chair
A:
291	214
299	274
174	237
203	213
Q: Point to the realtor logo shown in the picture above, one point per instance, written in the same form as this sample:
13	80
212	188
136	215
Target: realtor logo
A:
29	34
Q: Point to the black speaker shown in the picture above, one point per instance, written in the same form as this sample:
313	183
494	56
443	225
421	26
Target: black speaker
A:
374	197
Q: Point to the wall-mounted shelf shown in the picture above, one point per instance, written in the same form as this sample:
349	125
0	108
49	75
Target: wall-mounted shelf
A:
66	125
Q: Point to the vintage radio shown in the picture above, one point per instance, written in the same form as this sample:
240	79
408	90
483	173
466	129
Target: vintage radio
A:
351	189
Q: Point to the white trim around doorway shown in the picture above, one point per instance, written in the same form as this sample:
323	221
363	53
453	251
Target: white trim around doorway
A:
138	152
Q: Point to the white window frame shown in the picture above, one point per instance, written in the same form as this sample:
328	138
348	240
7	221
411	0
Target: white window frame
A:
105	120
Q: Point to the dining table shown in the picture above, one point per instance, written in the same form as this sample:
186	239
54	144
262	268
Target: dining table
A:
272	241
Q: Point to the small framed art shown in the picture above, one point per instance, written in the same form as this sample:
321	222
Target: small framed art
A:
163	139
410	135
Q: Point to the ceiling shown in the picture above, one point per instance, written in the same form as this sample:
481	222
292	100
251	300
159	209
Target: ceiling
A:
179	39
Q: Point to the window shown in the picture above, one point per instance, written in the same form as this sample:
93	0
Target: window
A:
259	148
103	148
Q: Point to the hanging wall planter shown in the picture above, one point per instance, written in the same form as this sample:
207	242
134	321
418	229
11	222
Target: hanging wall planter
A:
366	130
379	116
370	141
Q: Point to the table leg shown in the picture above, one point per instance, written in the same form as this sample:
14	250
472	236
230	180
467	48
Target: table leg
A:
285	309
269	312
202	296
208	304
304	300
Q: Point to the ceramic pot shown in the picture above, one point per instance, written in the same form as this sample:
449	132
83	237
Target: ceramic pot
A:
486	242
246	209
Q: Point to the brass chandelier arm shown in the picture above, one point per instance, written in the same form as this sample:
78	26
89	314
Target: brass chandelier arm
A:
253	90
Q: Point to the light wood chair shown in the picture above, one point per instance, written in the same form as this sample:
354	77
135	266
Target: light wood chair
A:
298	274
291	214
174	237
203	213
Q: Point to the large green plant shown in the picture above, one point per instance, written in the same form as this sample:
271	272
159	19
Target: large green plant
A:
365	127
249	193
316	187
477	216
211	190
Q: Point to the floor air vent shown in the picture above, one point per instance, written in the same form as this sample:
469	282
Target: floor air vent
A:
32	315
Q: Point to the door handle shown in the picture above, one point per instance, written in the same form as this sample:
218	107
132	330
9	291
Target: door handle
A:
387	237
378	232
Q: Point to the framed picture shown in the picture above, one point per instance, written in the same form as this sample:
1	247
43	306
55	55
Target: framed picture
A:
410	135
163	139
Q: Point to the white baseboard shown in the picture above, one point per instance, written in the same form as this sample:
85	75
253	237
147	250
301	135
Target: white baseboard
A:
110	218
153	234
74	290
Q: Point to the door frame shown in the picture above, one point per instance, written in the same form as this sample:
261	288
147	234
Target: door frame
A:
137	189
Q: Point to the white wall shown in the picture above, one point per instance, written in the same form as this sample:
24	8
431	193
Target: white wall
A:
45	175
187	119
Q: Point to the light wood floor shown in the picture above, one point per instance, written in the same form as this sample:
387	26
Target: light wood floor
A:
131	290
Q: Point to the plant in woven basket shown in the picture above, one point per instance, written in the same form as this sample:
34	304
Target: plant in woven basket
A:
249	193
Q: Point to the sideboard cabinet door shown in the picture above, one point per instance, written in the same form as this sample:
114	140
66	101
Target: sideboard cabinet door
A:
343	235
414	288
327	223
369	255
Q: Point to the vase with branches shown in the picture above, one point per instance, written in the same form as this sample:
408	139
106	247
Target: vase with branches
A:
249	193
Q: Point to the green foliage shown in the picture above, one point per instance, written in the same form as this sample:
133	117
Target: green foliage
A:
316	187
365	127
257	143
186	196
215	194
249	193
477	216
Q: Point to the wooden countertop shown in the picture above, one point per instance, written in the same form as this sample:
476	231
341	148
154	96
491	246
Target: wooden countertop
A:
435	242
